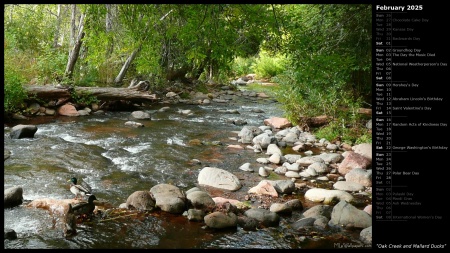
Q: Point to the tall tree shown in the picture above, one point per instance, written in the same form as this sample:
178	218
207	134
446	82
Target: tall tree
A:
141	41
78	41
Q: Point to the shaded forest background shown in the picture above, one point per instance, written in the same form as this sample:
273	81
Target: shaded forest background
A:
320	55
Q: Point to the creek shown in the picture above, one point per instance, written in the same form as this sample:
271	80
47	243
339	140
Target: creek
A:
117	160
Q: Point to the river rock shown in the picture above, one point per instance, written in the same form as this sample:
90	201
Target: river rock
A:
141	200
348	186
140	115
263	172
219	220
265	217
345	214
322	210
321	221
280	208
169	198
9	234
291	158
292	174
277	122
276	158
247	223
195	215
351	161
366	235
246	167
319	167
290	138
273	149
219	178
264	188
360	176
306	161
295	204
292	167
23	131
247	133
201	200
68	110
331	157
13	197
283	186
327	196
364	149
263	140
368	209
262	160
303	223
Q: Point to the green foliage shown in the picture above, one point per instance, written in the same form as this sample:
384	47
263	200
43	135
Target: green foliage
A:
267	66
202	87
51	65
242	66
14	94
320	54
350	135
84	98
270	90
331	45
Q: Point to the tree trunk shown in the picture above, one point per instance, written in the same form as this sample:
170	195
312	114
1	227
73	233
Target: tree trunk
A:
47	92
73	26
125	66
73	55
58	26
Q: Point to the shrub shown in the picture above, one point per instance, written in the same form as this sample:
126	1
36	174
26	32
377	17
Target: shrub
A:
15	95
267	66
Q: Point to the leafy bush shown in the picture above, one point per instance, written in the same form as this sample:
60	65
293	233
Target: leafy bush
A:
267	66
51	65
84	98
242	66
15	95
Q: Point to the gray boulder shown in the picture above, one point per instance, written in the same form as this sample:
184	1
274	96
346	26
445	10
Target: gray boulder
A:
169	198
141	200
13	197
23	131
265	217
345	214
219	220
219	178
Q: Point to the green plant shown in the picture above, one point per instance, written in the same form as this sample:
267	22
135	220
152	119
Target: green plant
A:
268	66
51	65
352	134
242	66
15	95
84	98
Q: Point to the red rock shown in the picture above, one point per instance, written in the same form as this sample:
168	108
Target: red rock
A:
277	122
68	110
351	161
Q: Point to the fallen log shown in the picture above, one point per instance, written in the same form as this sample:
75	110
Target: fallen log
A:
103	94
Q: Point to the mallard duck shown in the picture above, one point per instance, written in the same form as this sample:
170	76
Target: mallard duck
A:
85	208
69	226
79	190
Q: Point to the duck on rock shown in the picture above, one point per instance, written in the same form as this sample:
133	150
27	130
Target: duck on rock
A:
82	189
69	226
85	208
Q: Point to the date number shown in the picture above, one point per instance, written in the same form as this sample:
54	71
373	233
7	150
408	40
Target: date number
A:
414	7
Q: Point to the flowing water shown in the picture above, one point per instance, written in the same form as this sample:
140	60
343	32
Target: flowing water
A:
117	160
